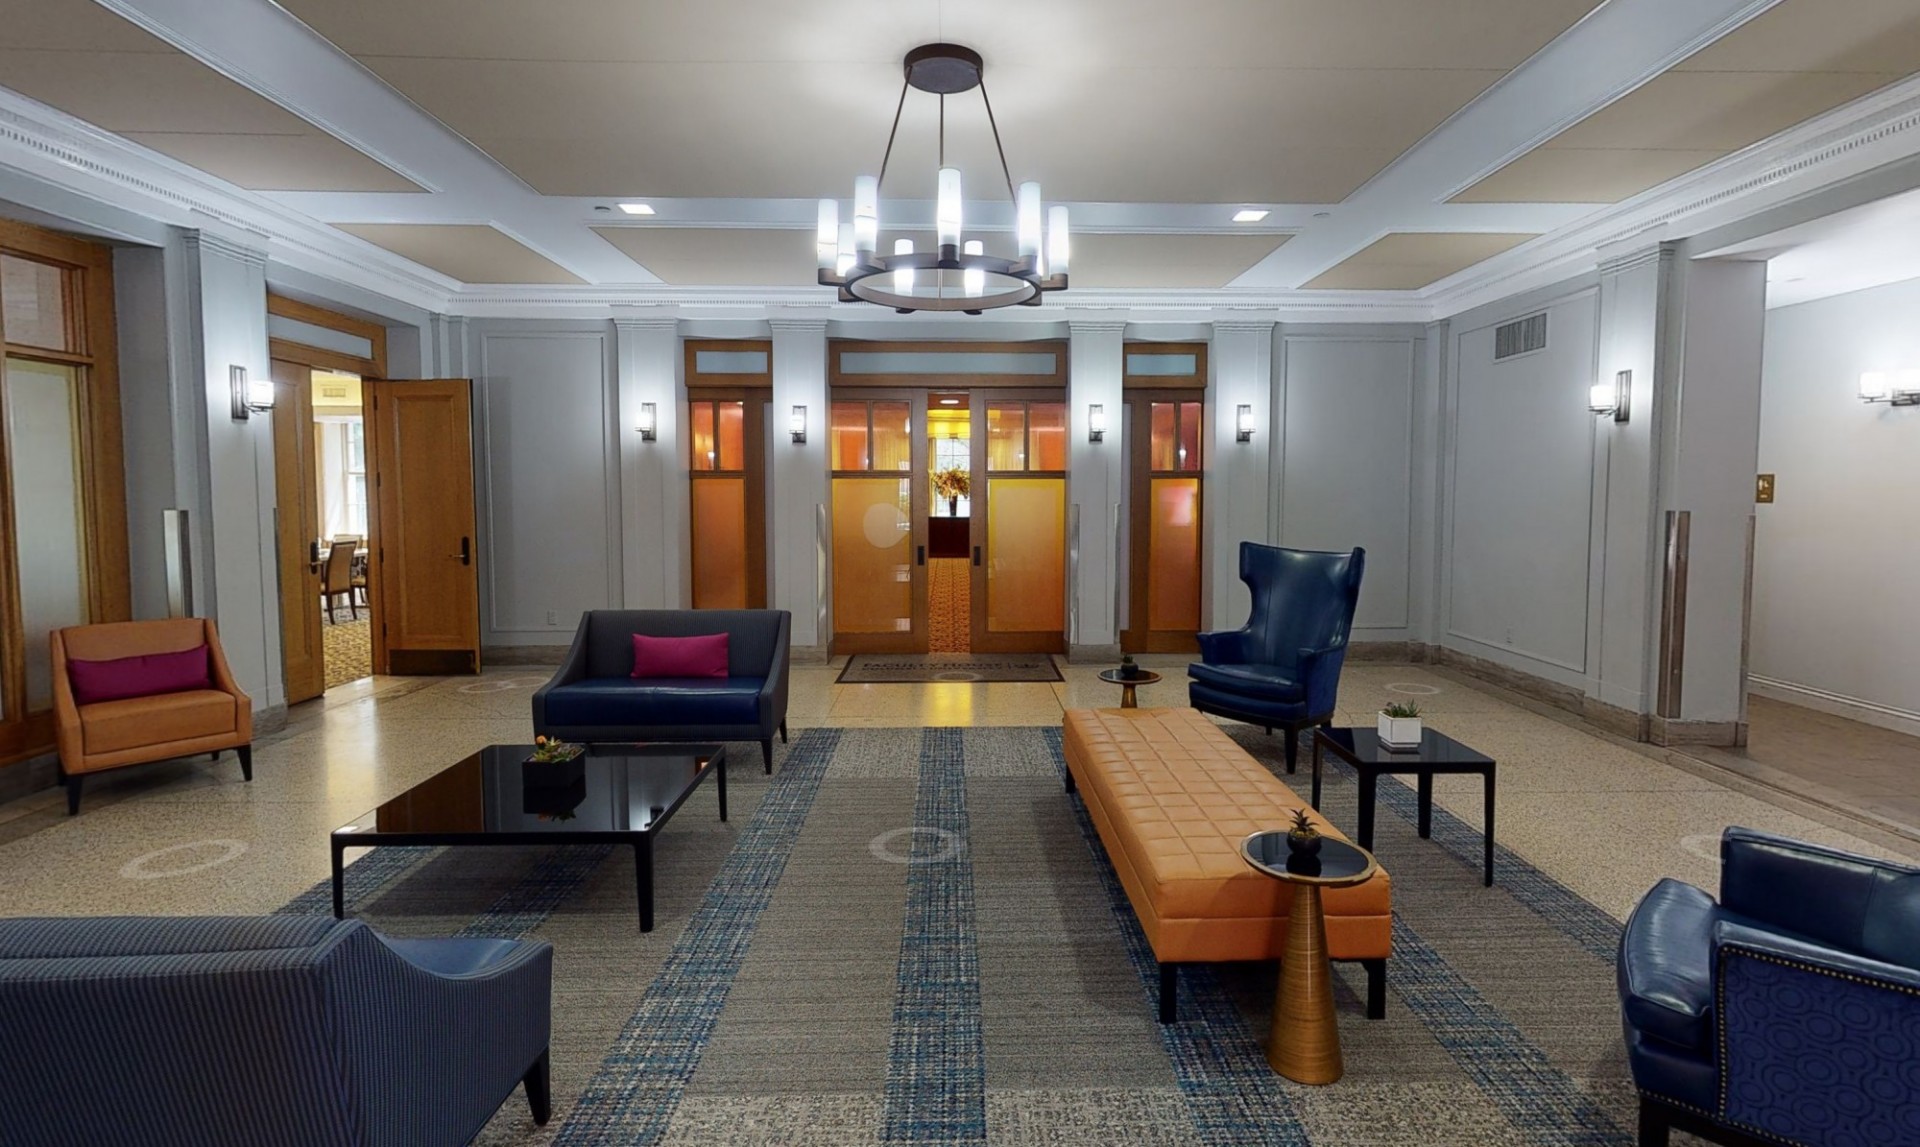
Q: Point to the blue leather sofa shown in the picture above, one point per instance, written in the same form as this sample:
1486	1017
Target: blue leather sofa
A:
243	1031
594	698
1789	1011
1281	670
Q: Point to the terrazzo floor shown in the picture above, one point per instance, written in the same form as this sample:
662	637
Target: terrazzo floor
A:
1602	816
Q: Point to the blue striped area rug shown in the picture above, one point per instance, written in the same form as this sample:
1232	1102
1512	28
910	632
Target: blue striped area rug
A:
914	936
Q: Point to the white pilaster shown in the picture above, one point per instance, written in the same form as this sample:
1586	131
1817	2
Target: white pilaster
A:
1095	476
654	490
1239	488
799	496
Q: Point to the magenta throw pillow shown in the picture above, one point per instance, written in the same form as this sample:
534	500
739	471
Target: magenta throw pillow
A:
145	676
703	656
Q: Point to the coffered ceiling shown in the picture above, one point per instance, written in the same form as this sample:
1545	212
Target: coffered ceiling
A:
1399	146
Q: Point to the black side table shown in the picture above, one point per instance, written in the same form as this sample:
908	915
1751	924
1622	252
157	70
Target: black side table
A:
1438	753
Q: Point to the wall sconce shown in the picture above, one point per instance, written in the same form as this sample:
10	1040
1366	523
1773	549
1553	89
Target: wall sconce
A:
797	424
1243	423
248	395
1096	422
649	424
1895	388
1615	398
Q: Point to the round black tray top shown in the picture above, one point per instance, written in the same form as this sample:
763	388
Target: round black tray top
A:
1337	860
1139	677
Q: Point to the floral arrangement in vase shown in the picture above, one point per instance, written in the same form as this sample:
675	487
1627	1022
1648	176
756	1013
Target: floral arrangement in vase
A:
552	752
1399	726
953	484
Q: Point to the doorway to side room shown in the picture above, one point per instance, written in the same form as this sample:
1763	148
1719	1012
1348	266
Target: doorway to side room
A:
1164	387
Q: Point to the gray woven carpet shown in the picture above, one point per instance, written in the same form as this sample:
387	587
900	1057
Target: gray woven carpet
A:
898	668
911	936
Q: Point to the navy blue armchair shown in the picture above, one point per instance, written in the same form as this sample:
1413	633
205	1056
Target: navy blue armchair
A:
594	697
242	1031
1789	1011
1281	670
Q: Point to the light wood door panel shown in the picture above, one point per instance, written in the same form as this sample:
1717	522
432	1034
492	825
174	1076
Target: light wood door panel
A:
297	521
879	448
424	564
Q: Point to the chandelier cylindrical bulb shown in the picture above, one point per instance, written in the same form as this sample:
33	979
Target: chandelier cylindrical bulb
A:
826	236
1027	219
973	280
844	256
947	209
903	278
1059	244
866	214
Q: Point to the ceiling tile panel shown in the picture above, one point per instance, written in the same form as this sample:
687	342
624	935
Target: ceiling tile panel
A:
310	161
1167	261
719	257
471	253
1407	262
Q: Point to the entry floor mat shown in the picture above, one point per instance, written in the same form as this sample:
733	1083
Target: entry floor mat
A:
911	668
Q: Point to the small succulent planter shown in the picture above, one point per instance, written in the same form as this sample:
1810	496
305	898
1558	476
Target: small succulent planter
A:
1400	726
1129	668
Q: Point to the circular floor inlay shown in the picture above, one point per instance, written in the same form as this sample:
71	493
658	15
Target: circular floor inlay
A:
882	846
142	867
1413	690
1705	845
956	675
499	685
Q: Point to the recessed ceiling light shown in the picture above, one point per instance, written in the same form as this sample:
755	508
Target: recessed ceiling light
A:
1250	215
637	208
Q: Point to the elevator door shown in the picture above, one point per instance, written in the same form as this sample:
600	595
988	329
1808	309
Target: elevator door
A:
878	455
1019	524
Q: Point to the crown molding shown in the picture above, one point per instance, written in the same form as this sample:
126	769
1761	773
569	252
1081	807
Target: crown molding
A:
1633	260
217	244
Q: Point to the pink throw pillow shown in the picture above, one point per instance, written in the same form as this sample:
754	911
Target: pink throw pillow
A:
703	656
144	676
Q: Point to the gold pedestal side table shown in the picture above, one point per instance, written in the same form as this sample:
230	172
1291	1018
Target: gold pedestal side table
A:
1304	1044
1128	700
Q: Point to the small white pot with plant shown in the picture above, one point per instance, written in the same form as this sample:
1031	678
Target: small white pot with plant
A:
1400	725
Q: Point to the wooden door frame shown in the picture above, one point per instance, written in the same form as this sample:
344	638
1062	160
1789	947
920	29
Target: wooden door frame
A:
918	503
982	639
1137	636
752	474
296	554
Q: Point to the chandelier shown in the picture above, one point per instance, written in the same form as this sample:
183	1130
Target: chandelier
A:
957	275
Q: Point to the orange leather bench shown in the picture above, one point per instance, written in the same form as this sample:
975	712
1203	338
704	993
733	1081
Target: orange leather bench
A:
1172	797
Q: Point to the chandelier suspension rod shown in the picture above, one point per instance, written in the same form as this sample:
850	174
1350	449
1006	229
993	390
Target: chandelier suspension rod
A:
882	181
943	129
1005	172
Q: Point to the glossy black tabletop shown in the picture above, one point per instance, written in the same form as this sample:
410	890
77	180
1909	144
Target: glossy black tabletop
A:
1337	862
1362	746
610	789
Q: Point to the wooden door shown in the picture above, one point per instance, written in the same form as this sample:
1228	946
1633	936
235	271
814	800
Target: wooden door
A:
1019	526
728	480
878	454
297	523
1165	467
422	567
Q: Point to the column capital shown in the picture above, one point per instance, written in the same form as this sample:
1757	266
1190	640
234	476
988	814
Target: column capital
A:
1618	258
798	320
235	249
1091	320
1252	321
646	319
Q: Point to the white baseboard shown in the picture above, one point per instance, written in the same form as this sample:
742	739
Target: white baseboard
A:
1852	708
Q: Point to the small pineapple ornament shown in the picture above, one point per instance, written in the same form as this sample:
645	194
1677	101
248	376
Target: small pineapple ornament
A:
1303	839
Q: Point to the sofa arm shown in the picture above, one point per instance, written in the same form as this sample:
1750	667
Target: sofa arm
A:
1224	647
1813	1039
573	669
773	692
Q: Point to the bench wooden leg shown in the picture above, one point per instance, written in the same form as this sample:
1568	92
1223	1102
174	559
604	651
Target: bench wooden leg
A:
1376	988
1169	991
1071	787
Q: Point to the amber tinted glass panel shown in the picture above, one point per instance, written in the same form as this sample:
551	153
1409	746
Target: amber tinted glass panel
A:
1007	436
892	436
701	416
35	304
849	433
872	544
732	434
1173	598
1027	555
42	409
1163	453
1189	453
1047	436
720	543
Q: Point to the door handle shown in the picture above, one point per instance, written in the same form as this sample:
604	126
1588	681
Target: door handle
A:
466	552
976	555
313	555
920	557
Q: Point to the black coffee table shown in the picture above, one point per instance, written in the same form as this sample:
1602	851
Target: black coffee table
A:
1438	753
612	794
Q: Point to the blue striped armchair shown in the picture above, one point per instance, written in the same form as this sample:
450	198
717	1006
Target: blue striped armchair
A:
293	1031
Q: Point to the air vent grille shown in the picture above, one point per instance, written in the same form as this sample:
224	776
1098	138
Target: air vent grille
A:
1521	336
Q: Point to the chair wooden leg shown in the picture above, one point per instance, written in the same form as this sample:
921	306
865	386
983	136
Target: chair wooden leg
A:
766	751
1292	748
73	794
246	761
1653	1124
539	1084
783	732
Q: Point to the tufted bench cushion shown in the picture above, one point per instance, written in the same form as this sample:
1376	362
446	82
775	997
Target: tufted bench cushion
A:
1173	796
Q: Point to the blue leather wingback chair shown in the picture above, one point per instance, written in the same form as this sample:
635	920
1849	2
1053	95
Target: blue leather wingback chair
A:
1282	669
243	1031
1789	1012
594	698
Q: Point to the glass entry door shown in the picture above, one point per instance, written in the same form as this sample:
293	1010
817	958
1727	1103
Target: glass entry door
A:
1019	526
877	451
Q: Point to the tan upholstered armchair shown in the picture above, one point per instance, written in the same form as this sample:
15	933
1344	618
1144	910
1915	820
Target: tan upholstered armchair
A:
159	726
